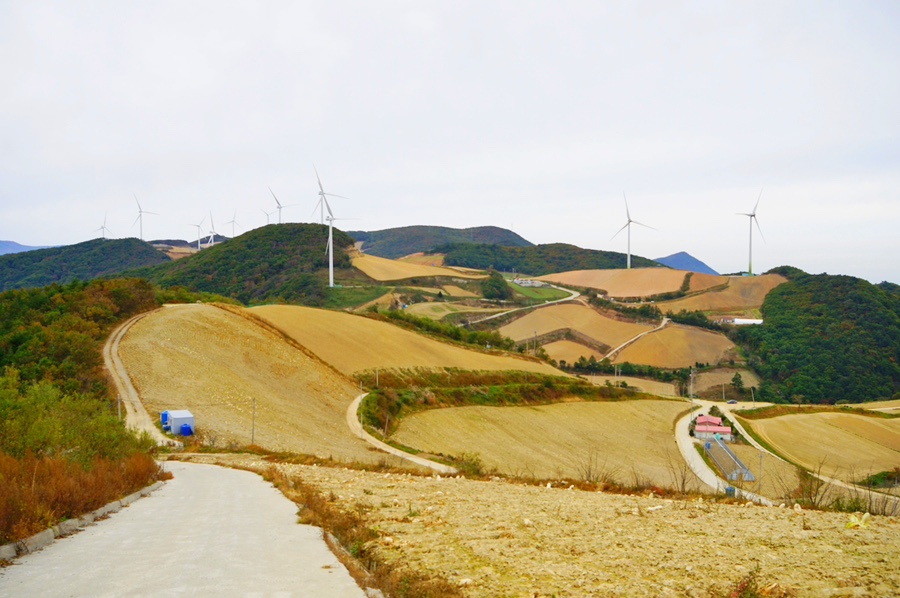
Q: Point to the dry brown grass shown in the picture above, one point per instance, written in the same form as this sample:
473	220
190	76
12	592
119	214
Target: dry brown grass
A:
677	346
570	351
458	292
36	493
438	309
422	259
215	363
742	293
576	316
353	343
654	387
382	269
846	444
623	440
637	282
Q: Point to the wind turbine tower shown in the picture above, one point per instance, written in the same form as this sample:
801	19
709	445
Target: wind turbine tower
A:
103	228
212	232
140	216
280	206
752	216
199	234
627	225
232	222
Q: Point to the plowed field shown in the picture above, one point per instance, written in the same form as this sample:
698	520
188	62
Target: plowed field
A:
848	446
577	317
214	363
676	347
637	282
718	377
382	270
423	260
352	343
455	291
624	439
438	309
742	293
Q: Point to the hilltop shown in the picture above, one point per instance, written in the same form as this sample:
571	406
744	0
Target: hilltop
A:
82	261
278	262
685	261
536	260
398	242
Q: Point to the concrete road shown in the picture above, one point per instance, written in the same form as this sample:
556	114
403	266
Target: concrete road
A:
210	531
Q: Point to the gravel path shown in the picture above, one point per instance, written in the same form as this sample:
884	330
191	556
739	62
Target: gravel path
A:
210	531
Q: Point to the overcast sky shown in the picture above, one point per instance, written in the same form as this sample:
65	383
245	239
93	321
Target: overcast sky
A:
533	116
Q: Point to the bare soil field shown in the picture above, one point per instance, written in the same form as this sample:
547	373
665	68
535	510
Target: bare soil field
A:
383	270
677	346
215	363
848	446
420	258
455	291
497	538
654	387
352	343
637	282
570	351
719	376
742	293
623	440
576	316
436	310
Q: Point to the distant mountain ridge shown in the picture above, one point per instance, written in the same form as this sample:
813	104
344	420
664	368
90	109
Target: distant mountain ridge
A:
82	261
685	261
7	247
398	242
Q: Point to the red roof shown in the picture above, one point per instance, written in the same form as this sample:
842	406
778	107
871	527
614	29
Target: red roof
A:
713	429
709	419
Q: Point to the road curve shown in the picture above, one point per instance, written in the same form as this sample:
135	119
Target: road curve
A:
357	429
211	531
136	416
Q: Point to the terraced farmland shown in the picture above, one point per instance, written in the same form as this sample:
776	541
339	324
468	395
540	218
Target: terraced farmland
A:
847	446
384	270
575	316
637	282
677	346
742	293
215	363
624	440
352	343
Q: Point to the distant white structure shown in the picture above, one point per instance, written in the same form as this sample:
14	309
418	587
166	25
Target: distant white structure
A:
527	282
741	321
179	418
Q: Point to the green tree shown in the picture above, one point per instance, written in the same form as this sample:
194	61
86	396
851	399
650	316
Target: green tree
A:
737	382
495	287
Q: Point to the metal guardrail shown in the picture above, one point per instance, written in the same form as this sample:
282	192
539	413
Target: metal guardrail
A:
727	462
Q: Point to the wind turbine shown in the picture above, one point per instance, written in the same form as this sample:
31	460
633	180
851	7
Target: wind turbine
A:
232	222
267	214
280	206
103	228
140	216
628	226
323	201
199	234
212	232
752	216
330	247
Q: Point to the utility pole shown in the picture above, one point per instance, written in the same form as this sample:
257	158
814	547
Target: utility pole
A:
253	425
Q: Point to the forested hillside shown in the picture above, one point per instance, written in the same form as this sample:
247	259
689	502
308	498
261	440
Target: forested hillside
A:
63	451
538	259
278	262
827	339
398	242
82	261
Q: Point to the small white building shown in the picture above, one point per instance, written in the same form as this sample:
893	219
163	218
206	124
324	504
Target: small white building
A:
179	418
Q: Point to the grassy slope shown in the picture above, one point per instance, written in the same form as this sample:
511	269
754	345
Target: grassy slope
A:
399	242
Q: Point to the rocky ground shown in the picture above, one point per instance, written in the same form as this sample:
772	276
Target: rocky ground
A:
497	538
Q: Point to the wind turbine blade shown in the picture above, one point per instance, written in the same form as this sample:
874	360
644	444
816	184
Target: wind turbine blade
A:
644	225
319	203
757	203
137	202
136	219
273	195
627	212
620	230
335	195
328	207
318	180
755	219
